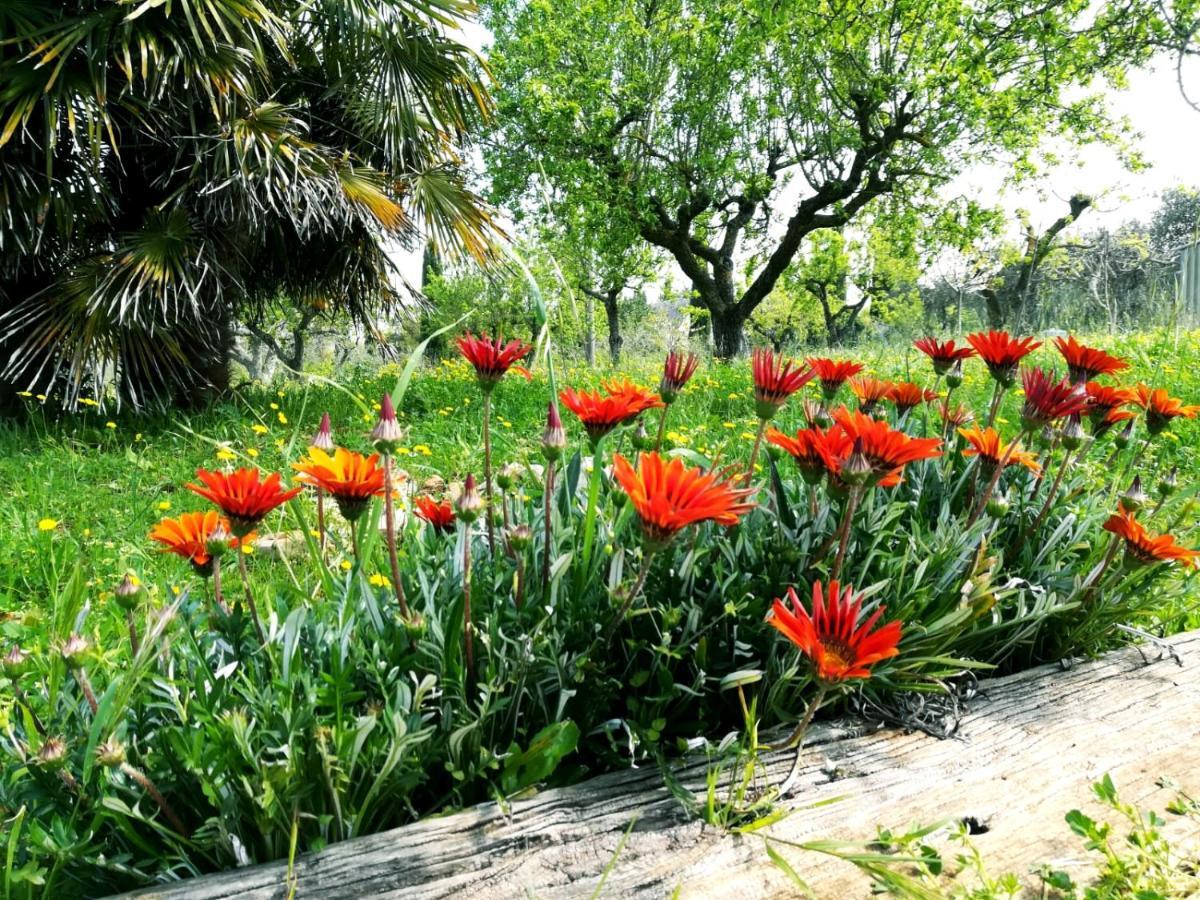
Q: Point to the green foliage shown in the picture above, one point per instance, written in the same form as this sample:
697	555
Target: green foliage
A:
351	720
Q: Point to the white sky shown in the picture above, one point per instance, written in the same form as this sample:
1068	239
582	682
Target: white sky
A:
1169	141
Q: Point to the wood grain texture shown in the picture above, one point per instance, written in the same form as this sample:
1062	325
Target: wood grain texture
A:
1026	753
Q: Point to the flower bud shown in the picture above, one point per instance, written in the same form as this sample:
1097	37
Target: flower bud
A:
74	651
1072	433
323	439
509	476
15	662
468	505
1169	484
218	541
998	505
776	452
857	468
1135	498
954	377
386	436
641	439
110	754
824	419
127	593
1123	437
554	438
52	754
520	537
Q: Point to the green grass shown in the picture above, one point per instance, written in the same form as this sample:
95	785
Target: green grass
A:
353	721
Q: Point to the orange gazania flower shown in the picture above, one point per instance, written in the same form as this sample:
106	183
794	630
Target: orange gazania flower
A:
194	536
839	646
1161	407
439	515
670	496
1002	352
775	379
1143	548
942	355
986	444
1085	363
906	395
492	358
833	373
815	450
870	391
884	447
244	495
601	413
1048	400
351	478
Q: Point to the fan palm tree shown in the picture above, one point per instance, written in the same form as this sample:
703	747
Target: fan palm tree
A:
167	166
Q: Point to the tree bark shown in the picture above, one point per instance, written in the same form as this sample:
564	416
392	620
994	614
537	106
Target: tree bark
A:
615	340
727	332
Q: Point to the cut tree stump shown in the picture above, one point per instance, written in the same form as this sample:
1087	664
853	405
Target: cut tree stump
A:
1026	753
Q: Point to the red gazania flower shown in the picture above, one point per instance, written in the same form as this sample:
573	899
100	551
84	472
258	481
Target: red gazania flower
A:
194	536
492	358
677	372
1085	363
815	450
833	373
838	644
438	514
906	395
670	496
1101	398
601	413
1161	407
1143	548
986	444
1047	400
942	355
1002	352
870	391
244	495
775	379
886	449
350	478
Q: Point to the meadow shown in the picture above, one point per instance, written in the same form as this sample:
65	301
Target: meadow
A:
359	719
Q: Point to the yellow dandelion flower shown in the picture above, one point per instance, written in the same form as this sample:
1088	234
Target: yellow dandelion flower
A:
423	450
728	425
88	401
259	429
748	435
247	549
252	453
282	419
225	454
274	406
47	524
110	425
24	394
346	565
164	505
378	580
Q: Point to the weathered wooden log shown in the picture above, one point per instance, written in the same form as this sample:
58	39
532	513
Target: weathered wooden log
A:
1026	753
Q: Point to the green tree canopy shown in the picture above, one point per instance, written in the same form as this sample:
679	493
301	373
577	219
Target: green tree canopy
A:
720	130
167	165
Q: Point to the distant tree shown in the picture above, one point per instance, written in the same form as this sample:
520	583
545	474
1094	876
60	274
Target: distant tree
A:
719	130
168	168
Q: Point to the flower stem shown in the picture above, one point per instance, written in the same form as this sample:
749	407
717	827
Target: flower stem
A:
844	531
133	635
241	557
995	407
758	438
662	429
468	638
981	503
548	514
85	685
487	470
1054	486
156	795
634	591
218	594
321	519
796	738
389	515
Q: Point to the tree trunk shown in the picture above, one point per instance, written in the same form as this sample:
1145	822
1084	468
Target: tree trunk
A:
589	336
728	326
614	327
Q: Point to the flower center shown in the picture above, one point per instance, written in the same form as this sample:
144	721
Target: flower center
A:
838	654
